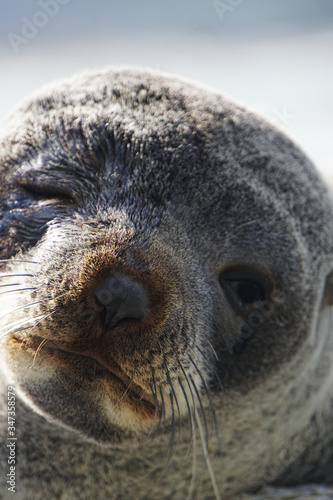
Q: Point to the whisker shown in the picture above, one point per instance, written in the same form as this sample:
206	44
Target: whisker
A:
11	284
194	458
194	465
27	306
3	261
49	299
154	392
17	290
177	405
173	429
14	275
44	341
18	322
126	391
201	406
173	400
16	330
187	381
211	404
157	407
47	316
36	319
207	459
212	368
173	391
212	348
204	442
187	404
163	408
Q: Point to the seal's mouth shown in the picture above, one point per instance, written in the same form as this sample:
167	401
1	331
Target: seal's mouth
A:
93	370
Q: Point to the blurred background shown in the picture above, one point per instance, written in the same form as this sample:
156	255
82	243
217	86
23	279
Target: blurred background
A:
274	55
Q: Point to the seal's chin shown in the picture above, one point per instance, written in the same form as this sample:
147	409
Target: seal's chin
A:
53	378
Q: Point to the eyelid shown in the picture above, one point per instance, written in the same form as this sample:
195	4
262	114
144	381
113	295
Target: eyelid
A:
45	190
44	186
247	273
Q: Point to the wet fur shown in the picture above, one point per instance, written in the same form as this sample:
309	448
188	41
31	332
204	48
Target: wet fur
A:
147	175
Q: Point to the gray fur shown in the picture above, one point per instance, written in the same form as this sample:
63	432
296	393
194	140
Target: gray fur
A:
160	178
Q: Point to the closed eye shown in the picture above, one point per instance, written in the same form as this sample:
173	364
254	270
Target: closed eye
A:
44	187
46	191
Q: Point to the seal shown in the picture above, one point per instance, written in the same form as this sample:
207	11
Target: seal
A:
166	295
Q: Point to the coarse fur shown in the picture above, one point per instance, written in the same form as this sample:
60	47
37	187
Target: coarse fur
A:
226	384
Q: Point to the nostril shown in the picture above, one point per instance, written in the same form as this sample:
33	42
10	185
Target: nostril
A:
121	299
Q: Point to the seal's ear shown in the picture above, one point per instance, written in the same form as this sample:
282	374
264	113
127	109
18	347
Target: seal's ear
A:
328	292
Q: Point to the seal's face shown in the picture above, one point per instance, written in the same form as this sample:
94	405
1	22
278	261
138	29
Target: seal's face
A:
164	243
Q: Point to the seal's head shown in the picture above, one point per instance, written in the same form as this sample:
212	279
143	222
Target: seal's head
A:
166	249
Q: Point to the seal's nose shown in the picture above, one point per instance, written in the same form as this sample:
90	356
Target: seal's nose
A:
121	299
